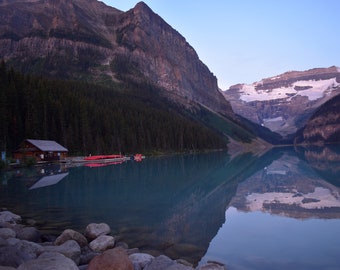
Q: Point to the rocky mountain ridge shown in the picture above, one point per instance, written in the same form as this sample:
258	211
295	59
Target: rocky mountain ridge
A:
285	103
88	40
323	126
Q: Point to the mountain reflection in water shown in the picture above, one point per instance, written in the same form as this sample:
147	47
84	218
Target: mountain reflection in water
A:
199	207
284	216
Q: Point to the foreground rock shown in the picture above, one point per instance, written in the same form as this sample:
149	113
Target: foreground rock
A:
116	258
96	250
49	260
94	230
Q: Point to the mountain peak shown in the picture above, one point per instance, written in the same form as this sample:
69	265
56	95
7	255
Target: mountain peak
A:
141	6
94	41
285	102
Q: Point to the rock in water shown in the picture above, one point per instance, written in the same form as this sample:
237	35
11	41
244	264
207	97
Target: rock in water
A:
112	259
69	234
102	243
94	230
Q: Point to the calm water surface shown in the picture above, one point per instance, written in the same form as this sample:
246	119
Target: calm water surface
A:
278	211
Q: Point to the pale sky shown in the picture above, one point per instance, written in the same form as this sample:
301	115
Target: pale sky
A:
244	41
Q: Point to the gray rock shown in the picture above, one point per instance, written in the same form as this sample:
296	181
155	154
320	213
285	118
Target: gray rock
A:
30	249
71	235
11	256
179	266
102	243
49	261
3	242
6	233
94	230
87	255
13	241
165	263
140	260
29	234
70	249
160	262
9	217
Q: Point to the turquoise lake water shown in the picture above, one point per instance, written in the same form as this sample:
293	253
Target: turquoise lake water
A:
278	211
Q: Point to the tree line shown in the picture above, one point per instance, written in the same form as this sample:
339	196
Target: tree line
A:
88	118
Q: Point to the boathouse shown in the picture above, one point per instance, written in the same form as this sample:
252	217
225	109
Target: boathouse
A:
41	150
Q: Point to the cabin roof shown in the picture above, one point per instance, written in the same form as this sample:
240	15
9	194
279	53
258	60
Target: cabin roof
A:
47	146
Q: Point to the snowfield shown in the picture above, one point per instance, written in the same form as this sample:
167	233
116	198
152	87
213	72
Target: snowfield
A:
317	90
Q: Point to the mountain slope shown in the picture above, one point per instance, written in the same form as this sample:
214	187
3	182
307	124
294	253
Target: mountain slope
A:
88	118
87	40
323	126
285	103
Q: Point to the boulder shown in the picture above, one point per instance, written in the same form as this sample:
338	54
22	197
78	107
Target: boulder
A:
13	241
16	251
28	233
6	233
111	259
69	234
87	255
30	249
3	242
165	263
94	230
49	261
140	260
9	217
102	243
70	249
160	262
11	256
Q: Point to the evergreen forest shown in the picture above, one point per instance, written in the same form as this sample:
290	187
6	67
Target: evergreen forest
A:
92	119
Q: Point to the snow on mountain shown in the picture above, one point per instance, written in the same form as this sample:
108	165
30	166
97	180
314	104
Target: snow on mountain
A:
312	89
285	102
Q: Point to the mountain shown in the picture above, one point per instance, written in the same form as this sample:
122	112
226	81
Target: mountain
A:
135	54
285	103
323	126
87	40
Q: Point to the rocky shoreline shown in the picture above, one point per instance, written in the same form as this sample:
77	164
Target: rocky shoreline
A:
23	247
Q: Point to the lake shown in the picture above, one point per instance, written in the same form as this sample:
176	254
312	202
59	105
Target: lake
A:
277	211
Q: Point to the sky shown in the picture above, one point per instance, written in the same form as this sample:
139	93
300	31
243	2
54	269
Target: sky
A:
244	41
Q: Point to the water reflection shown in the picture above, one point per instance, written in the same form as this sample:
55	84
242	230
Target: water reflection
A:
177	205
290	186
284	216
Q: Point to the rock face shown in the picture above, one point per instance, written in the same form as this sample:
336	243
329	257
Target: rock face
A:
98	42
285	103
323	126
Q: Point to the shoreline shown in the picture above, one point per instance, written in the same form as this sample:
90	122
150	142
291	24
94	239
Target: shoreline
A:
24	247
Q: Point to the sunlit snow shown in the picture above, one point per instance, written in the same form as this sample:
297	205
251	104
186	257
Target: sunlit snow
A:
317	90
